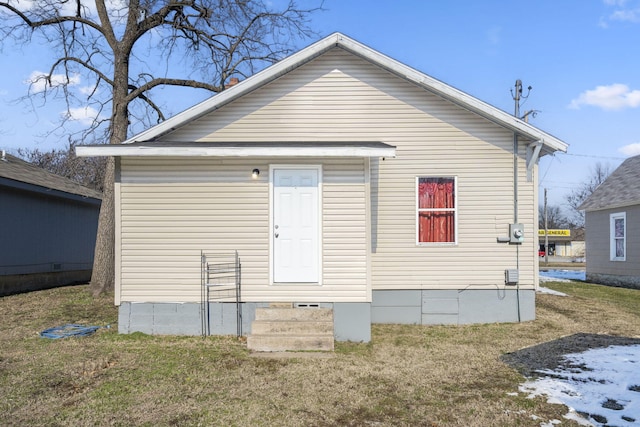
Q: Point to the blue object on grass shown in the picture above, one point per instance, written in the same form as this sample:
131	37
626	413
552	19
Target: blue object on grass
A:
69	330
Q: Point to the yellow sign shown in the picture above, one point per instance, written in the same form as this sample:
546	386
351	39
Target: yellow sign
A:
566	233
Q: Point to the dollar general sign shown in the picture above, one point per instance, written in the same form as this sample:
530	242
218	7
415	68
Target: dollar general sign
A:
555	233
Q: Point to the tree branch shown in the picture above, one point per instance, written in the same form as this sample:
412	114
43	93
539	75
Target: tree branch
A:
85	64
149	102
135	93
51	21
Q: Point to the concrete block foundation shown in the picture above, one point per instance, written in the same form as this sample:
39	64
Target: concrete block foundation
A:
453	307
352	321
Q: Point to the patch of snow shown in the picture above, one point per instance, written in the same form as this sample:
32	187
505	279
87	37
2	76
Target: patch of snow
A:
562	275
544	290
603	383
552	279
551	423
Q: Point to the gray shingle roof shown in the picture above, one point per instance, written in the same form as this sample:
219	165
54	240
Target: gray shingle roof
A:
621	188
16	169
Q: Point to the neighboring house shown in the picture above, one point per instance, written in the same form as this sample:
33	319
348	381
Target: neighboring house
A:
612	227
48	228
377	191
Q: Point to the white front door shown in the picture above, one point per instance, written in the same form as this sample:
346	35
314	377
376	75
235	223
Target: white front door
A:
295	226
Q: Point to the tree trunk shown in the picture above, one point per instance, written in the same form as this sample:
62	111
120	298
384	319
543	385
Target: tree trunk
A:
103	276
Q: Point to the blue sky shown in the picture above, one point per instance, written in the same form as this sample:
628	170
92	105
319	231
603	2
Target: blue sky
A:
580	56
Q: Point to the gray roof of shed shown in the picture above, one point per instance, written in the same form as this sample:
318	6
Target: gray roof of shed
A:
621	188
16	169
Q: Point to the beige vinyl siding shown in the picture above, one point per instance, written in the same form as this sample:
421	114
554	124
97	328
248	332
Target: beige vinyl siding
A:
485	210
339	97
171	209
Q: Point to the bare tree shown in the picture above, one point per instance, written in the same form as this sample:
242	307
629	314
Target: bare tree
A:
129	49
556	219
599	172
87	171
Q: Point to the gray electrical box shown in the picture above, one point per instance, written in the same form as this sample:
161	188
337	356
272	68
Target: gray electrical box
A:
511	277
516	233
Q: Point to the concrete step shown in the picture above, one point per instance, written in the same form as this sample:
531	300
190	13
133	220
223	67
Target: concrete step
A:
294	314
281	304
285	328
271	327
290	343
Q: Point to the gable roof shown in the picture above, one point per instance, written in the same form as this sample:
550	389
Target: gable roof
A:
15	171
550	144
621	188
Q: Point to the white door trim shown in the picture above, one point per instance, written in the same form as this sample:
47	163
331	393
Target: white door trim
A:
272	169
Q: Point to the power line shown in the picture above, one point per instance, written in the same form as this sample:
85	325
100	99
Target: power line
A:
561	183
593	156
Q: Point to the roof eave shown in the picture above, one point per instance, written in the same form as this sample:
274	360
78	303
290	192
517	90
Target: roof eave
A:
458	97
241	88
177	150
551	143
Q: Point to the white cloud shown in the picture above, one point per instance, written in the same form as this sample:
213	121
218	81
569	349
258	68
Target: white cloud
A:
623	12
615	2
66	8
629	15
87	90
630	150
612	97
84	115
38	81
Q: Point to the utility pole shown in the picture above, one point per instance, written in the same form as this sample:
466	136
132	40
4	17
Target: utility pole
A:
546	229
517	96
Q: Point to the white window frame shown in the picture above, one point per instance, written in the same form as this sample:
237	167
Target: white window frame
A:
613	239
454	210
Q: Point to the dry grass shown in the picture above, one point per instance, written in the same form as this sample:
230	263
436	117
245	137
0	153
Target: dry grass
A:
408	375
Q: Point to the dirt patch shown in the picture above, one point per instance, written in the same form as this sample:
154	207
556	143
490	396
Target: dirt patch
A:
550	355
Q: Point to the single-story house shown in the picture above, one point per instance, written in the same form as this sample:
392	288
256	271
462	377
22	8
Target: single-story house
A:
567	243
344	180
49	228
612	228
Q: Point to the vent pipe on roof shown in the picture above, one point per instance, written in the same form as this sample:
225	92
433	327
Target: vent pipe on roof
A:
4	156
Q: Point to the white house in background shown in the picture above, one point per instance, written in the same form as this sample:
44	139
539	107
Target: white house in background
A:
378	192
612	228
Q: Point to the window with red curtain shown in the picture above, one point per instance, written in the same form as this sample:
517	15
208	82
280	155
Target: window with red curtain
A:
436	210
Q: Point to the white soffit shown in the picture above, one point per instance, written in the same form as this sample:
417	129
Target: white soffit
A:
372	149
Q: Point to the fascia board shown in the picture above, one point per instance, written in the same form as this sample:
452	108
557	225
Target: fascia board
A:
190	151
257	80
291	62
452	94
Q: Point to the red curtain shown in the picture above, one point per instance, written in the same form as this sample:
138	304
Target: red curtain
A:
435	225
